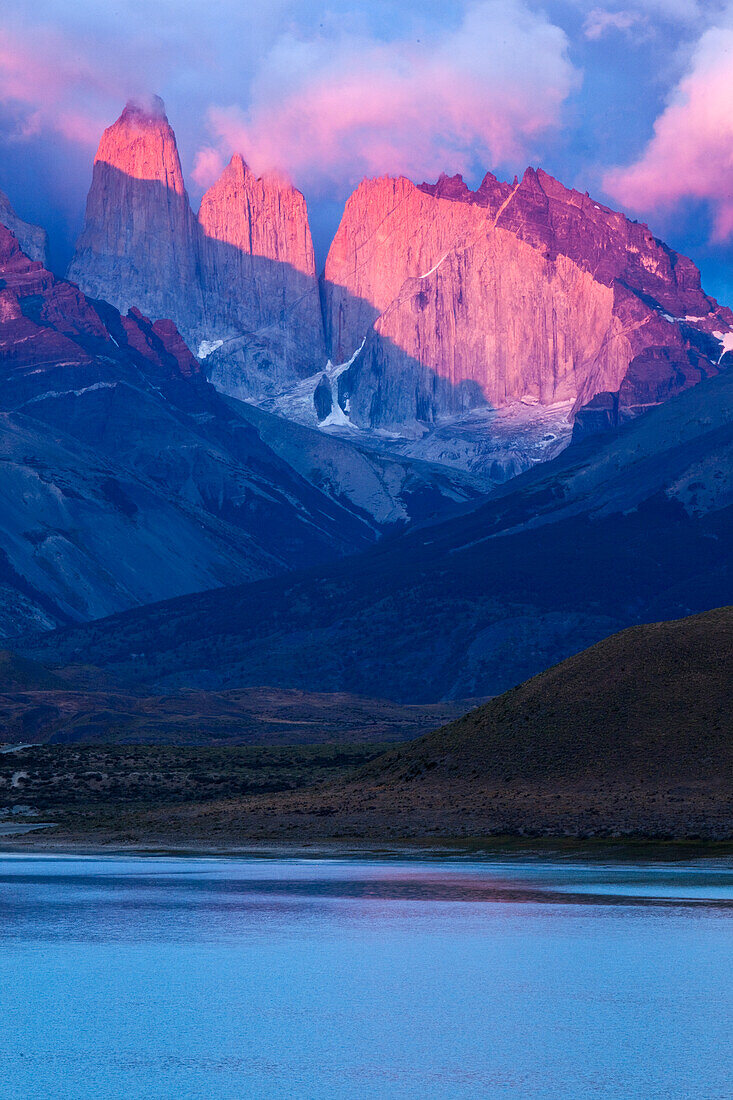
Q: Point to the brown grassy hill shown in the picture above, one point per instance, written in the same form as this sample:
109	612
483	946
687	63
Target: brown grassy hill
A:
632	737
653	702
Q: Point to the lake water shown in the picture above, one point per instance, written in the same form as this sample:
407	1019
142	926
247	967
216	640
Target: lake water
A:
227	978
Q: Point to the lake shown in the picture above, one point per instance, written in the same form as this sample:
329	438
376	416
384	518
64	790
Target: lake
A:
131	977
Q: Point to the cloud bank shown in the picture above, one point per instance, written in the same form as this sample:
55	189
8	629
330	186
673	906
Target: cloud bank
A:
333	108
50	86
690	155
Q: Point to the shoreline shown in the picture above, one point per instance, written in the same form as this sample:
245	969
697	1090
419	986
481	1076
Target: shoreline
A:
600	849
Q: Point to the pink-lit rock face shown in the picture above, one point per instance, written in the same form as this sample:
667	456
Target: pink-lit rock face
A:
258	275
525	291
239	281
139	243
259	217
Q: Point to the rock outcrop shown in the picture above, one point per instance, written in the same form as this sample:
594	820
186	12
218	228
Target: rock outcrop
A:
52	337
239	281
125	476
31	238
260	288
139	243
527	291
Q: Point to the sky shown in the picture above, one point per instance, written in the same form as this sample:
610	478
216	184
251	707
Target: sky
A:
631	100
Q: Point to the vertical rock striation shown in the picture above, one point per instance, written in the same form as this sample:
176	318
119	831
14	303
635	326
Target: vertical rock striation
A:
139	245
239	281
523	292
259	281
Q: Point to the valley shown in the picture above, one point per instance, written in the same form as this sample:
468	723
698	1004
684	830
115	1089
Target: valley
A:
289	521
627	741
366	550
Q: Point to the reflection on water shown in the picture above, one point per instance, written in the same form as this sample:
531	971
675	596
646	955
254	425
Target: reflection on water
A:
169	977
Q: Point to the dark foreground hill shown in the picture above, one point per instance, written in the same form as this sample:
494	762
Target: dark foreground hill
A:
635	526
651	705
631	738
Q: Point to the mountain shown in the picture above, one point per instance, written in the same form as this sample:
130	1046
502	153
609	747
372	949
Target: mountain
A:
476	329
239	280
125	476
31	238
444	299
629	526
139	244
128	478
258	274
388	490
629	738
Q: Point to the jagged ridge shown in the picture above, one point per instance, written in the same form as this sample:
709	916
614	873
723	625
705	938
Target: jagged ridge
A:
510	292
239	280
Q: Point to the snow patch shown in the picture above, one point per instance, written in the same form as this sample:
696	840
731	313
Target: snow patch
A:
207	347
339	417
75	393
427	273
726	339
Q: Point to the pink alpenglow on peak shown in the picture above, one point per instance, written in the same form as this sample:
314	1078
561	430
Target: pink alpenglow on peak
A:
239	280
523	291
138	246
142	145
259	277
264	216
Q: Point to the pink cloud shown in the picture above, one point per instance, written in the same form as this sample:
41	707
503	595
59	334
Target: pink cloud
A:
691	152
46	78
332	110
208	166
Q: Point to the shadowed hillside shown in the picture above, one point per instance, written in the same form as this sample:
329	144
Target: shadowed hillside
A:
631	738
649	704
629	527
82	705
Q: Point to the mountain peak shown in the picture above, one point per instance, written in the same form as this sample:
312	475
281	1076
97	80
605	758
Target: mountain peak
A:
137	247
141	144
144	110
238	164
510	267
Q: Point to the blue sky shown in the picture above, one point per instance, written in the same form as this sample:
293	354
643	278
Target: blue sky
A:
628	99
